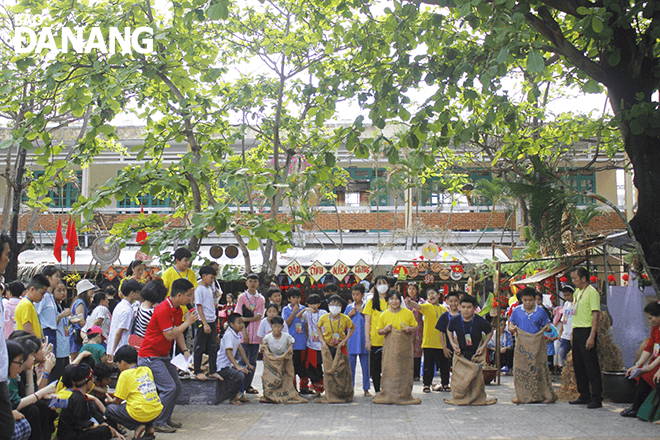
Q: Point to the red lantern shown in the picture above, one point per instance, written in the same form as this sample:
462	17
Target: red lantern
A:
341	286
646	277
494	303
625	277
563	280
523	277
594	278
611	279
298	286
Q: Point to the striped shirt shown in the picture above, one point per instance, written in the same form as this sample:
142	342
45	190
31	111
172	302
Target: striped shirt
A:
142	321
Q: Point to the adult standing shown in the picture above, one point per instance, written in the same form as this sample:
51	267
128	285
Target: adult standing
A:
250	305
167	326
6	414
79	312
584	340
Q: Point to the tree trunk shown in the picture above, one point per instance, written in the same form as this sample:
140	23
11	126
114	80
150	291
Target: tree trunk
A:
11	272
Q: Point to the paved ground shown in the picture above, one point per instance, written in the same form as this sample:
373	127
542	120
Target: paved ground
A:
433	419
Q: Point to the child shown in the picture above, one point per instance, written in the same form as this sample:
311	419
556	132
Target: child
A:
274	296
295	328
251	306
122	320
538	297
137	388
277	341
16	357
431	343
465	330
206	339
374	342
550	337
16	290
79	420
413	297
529	317
398	325
181	269
94	339
99	314
265	325
313	361
336	328
356	343
235	376
26	314
102	380
62	338
565	323
329	290
452	302
506	347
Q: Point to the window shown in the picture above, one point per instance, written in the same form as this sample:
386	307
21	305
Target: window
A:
370	184
145	200
63	195
584	181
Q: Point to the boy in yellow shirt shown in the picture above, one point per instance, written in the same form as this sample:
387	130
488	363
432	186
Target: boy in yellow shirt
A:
431	342
336	328
26	316
137	388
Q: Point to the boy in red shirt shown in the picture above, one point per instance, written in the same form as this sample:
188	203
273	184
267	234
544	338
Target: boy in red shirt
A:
167	325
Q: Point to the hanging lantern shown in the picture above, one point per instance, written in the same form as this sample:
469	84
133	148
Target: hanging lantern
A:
625	277
611	278
563	280
594	279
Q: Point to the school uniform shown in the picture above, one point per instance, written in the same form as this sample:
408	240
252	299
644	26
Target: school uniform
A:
297	330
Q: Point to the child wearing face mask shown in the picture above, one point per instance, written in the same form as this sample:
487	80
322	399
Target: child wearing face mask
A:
335	327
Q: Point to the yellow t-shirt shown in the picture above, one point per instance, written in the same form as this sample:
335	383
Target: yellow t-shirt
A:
25	312
431	314
376	339
171	274
398	319
137	387
585	301
334	332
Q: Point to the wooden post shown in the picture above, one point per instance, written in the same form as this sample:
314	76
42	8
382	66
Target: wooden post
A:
496	289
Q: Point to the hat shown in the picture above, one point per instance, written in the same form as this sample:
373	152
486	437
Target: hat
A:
131	285
85	285
95	330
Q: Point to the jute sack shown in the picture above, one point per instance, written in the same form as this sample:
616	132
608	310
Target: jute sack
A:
531	375
467	382
397	376
278	379
338	384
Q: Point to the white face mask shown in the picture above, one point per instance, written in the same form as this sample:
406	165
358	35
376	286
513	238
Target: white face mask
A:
334	310
382	288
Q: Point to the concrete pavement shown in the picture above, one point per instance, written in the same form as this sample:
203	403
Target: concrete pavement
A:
433	419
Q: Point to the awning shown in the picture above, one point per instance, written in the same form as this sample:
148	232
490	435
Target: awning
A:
542	276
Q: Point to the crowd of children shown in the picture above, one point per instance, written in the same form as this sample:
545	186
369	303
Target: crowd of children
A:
61	360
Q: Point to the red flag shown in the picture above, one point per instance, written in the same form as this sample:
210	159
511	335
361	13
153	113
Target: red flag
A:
59	242
72	236
141	236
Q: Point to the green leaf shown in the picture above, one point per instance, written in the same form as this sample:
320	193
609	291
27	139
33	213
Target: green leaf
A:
253	244
6	144
535	62
597	25
218	11
615	58
270	191
330	160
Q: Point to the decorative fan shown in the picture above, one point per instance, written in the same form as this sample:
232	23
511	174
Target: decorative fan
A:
103	252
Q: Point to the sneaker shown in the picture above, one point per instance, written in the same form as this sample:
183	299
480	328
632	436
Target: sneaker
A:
174	424
167	429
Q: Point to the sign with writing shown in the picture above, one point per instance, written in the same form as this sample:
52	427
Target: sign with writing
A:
316	271
294	270
361	270
339	270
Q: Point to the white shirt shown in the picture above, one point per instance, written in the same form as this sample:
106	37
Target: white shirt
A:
229	340
312	320
98	313
265	328
279	346
122	319
567	320
204	297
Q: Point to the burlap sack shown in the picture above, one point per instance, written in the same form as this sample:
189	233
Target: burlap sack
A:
338	385
278	379
531	375
397	376
467	382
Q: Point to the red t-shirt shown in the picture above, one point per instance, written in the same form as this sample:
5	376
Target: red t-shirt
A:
165	317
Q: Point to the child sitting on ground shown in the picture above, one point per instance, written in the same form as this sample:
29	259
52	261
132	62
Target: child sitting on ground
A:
102	380
234	375
265	324
135	403
277	341
94	339
80	419
313	361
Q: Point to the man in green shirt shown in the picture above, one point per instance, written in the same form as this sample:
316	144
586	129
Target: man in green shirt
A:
585	358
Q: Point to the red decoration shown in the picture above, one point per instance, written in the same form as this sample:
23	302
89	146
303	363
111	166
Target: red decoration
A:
72	236
646	277
59	242
523	277
341	286
563	280
625	277
594	278
298	286
494	303
611	279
